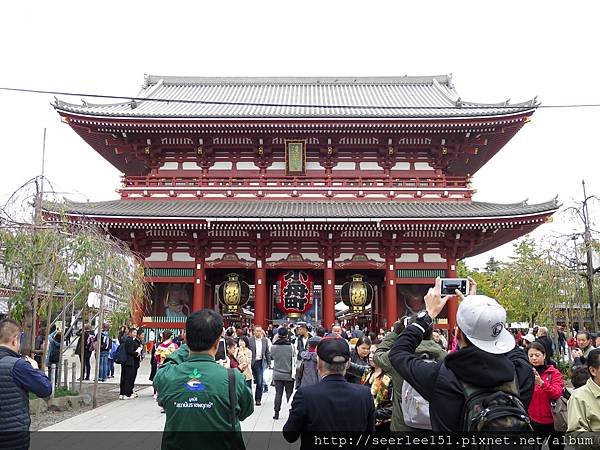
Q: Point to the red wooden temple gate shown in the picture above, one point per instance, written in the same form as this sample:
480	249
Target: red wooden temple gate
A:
333	177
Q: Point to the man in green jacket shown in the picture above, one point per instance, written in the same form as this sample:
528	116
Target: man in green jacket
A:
194	390
381	358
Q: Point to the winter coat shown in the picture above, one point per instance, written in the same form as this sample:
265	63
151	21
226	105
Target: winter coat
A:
307	374
354	374
133	358
282	353
539	408
441	383
381	358
53	355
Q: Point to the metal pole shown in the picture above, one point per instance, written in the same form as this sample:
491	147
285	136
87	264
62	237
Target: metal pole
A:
66	374
589	278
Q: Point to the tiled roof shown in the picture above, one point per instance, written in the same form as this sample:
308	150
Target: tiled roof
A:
265	98
215	209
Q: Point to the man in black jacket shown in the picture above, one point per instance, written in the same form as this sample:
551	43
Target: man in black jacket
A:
487	357
130	366
332	405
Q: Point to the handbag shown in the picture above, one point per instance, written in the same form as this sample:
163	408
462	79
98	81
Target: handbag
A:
558	408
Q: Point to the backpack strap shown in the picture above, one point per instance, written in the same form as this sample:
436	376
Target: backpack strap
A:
232	397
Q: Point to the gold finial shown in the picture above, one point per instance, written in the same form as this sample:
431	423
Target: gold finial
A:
329	150
444	150
147	150
390	150
261	151
199	150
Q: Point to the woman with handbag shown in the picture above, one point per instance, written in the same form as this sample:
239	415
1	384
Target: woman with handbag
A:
548	387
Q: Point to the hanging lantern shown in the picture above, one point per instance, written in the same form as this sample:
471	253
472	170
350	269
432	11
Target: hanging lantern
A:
357	294
295	293
233	293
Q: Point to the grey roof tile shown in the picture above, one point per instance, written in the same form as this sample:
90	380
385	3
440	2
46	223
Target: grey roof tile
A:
203	209
348	97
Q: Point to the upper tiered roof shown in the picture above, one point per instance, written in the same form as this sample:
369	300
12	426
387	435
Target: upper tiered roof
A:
405	97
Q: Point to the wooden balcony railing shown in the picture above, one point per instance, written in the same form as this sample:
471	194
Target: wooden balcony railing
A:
295	186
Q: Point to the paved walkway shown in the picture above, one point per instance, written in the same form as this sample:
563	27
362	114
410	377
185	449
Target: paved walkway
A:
143	414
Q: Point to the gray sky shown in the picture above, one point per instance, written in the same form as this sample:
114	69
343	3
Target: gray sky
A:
511	49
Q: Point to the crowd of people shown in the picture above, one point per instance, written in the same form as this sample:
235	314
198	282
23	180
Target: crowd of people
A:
477	378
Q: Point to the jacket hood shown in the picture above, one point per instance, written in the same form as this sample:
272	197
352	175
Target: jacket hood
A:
308	356
432	348
477	367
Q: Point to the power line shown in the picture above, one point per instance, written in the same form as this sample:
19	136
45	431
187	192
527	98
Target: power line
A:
522	107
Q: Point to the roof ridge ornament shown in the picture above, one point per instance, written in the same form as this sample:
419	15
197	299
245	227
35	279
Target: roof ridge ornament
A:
458	103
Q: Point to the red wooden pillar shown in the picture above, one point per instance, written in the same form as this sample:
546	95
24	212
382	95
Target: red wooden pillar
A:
391	294
199	301
453	301
328	295
260	294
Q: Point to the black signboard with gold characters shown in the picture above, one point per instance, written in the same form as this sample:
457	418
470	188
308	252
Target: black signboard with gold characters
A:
357	294
295	157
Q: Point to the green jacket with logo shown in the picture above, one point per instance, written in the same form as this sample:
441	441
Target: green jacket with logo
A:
194	391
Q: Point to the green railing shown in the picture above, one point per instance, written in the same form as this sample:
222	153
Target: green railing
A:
420	273
157	273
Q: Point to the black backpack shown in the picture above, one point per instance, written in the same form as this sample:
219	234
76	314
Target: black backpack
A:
105	343
491	410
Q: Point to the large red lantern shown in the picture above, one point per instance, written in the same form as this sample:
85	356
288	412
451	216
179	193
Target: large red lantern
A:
295	293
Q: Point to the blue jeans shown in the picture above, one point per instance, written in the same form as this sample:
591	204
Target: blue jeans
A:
103	366
111	367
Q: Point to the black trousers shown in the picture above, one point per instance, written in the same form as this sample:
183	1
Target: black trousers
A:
127	381
257	374
279	386
547	431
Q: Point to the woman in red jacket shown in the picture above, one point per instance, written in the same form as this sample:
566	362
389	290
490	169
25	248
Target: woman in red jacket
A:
548	386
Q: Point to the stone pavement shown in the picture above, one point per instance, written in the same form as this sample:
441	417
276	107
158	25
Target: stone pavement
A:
143	414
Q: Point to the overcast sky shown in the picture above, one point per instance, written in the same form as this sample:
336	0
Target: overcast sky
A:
513	49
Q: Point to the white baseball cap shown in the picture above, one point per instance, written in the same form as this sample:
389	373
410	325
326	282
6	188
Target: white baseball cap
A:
482	320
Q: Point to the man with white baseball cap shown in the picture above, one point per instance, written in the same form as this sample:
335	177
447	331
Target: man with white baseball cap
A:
487	358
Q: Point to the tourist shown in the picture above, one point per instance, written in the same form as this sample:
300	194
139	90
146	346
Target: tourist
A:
202	383
259	345
133	350
38	348
487	359
19	375
579	376
320	332
105	347
544	339
231	347
359	358
333	405
85	339
427	347
584	404
583	348
302	337
548	387
562	340
307	374
160	353
111	357
283	355
244	359
357	332
53	355
380	384
122	334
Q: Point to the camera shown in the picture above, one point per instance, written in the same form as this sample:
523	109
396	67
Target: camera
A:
450	285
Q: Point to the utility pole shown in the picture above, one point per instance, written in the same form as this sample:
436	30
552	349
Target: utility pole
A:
589	275
37	222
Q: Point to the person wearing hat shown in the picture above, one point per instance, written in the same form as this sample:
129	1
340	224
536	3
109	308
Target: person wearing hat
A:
333	405
307	374
283	355
488	357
